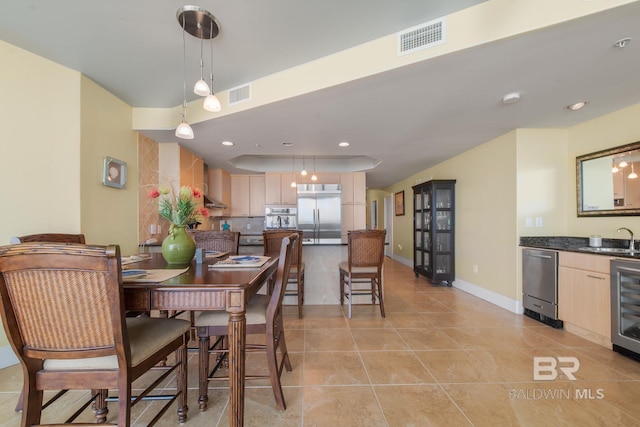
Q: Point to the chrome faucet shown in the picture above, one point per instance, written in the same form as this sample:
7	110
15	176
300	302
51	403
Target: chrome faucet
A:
632	242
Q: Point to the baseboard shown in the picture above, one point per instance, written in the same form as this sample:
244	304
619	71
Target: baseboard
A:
403	260
495	298
7	357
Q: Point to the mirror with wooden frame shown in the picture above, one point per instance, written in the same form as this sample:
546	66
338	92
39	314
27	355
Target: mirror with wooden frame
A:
608	183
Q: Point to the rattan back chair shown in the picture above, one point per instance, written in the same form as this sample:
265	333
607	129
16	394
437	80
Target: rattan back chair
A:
63	312
272	240
47	237
264	316
213	240
50	237
364	265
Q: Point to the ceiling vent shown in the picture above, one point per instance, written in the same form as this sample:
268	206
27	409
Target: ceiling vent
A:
240	94
422	36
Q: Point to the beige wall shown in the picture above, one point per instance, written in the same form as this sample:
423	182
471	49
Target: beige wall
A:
527	173
57	127
611	130
109	215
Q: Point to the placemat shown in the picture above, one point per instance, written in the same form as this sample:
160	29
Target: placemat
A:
157	275
231	263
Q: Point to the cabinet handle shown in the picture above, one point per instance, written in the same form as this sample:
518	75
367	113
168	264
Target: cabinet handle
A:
595	277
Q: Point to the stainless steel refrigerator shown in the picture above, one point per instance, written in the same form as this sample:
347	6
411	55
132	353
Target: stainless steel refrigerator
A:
319	215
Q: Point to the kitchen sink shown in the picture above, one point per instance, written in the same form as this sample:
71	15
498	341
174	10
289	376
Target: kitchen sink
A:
609	250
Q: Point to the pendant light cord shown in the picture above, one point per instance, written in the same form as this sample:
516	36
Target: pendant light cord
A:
184	72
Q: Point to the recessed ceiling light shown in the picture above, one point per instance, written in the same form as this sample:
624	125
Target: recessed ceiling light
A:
511	98
287	144
577	105
228	143
343	144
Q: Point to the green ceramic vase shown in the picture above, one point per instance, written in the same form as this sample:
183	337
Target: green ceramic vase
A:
178	247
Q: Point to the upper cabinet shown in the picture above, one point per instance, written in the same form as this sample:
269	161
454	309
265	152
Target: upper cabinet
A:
354	188
278	189
247	195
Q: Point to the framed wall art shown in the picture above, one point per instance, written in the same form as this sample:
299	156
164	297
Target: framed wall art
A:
399	203
115	173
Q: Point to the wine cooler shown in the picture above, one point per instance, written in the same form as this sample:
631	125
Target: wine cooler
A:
625	307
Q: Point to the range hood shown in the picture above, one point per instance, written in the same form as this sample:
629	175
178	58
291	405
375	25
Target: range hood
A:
212	203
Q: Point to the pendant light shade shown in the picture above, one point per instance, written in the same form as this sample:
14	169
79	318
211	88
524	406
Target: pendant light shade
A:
314	177
184	131
201	88
212	103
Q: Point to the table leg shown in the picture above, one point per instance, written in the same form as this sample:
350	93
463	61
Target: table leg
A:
237	337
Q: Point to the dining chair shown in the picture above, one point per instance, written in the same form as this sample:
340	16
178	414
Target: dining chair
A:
63	313
214	240
211	240
47	237
50	237
364	265
272	240
264	317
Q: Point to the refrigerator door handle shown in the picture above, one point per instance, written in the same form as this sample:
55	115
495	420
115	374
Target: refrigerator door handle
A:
318	223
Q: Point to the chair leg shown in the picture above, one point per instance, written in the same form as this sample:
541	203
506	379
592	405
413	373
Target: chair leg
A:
203	368
350	294
300	295
31	402
341	284
380	296
100	405
274	371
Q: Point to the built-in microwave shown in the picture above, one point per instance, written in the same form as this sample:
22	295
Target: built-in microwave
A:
280	217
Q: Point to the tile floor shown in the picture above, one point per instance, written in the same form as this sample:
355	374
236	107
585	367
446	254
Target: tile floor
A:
441	357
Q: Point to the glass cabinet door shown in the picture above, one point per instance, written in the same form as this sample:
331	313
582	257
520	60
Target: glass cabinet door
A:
434	230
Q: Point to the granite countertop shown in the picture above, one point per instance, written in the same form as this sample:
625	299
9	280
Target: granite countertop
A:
580	244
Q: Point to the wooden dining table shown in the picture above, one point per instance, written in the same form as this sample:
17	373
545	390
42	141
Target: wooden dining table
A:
203	288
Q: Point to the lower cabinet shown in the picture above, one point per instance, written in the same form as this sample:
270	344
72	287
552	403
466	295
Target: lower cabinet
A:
584	296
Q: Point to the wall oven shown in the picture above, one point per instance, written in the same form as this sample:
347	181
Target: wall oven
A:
280	217
625	307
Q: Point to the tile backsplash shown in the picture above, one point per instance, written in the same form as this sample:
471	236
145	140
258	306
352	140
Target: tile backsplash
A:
245	225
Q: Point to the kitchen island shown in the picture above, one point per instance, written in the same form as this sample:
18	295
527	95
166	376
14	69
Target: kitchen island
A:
321	272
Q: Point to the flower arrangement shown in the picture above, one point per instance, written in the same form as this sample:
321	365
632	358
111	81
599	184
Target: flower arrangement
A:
181	208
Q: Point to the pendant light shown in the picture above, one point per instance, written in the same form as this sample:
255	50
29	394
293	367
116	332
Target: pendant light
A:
183	130
632	175
201	88
303	172
211	102
293	169
314	177
199	23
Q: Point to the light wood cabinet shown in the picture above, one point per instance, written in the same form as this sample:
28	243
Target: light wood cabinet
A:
247	195
354	188
256	195
278	189
584	297
354	217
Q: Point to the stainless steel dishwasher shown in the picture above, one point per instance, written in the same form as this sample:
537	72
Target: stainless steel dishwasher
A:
540	285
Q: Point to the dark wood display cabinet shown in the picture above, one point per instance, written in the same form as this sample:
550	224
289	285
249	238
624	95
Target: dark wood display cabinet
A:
434	226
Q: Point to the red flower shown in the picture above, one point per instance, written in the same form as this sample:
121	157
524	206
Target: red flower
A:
154	194
204	212
196	192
